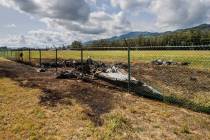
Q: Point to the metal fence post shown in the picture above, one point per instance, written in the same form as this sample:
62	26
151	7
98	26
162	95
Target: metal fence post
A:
129	68
22	59
29	55
56	59
129	65
7	54
18	55
40	57
11	54
82	60
16	58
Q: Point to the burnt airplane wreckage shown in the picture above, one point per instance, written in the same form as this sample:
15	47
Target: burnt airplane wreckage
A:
91	70
114	74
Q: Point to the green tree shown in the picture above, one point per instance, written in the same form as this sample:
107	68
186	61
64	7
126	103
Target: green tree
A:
76	44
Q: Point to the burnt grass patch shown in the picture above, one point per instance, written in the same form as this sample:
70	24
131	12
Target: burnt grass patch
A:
97	96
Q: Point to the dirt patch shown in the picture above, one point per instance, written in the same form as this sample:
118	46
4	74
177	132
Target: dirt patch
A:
186	87
174	76
96	97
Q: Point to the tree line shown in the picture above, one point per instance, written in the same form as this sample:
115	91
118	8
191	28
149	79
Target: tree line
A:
178	38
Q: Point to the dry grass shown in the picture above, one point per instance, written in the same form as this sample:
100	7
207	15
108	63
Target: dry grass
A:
131	117
22	117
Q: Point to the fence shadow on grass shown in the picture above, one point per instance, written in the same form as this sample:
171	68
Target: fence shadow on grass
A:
187	104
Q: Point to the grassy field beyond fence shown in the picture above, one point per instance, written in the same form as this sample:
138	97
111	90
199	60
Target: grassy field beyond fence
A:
198	59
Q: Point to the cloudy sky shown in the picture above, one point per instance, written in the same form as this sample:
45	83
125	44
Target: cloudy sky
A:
41	23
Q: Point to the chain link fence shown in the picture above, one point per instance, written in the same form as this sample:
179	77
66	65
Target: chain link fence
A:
179	76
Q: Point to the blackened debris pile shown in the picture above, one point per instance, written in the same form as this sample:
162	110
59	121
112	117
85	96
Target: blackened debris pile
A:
114	74
167	63
53	64
70	74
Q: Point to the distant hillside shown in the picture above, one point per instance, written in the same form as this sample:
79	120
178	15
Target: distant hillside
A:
199	35
202	27
129	35
133	35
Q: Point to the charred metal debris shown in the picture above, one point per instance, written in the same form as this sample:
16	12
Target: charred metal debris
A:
114	74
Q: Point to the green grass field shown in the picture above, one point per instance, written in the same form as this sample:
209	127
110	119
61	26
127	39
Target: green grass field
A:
199	59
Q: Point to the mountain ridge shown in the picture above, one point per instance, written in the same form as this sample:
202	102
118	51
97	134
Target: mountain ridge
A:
136	34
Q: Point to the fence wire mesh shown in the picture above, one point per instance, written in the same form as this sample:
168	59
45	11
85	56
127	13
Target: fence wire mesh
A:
181	76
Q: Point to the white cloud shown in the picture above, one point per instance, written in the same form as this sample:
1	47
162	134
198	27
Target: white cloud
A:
10	26
57	9
169	13
92	1
180	13
99	23
130	4
69	20
38	38
64	11
44	38
76	15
